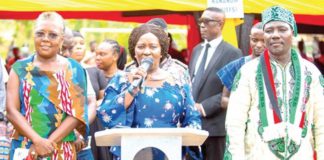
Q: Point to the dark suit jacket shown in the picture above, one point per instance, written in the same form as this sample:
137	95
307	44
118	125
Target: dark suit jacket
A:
209	90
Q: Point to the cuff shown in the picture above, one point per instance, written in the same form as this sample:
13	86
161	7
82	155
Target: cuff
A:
202	110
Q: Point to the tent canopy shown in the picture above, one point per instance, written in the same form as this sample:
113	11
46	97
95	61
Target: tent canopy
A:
101	5
306	7
308	12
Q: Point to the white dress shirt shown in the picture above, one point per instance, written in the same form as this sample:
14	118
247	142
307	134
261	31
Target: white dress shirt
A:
211	50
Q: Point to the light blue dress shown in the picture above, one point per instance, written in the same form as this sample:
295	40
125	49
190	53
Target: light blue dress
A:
153	107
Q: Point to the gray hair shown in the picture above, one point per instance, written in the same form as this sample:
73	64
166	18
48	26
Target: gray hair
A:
53	16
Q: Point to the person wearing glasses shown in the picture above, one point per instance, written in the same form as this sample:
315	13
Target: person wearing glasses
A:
46	96
207	58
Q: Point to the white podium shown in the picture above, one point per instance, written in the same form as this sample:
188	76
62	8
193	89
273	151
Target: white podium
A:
168	140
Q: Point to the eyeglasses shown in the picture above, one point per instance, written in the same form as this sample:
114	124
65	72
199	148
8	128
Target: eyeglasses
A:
50	36
206	21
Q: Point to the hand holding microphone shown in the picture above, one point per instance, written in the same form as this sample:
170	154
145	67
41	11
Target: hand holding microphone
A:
146	64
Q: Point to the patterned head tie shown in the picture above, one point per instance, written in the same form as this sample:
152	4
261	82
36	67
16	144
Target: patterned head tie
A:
277	13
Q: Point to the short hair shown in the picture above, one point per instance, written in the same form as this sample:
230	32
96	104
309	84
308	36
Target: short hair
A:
77	34
158	22
68	32
92	42
148	28
53	16
122	55
258	26
215	9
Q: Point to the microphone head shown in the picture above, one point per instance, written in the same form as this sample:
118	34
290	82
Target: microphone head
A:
147	62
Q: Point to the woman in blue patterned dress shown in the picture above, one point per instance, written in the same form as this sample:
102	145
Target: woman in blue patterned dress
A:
159	102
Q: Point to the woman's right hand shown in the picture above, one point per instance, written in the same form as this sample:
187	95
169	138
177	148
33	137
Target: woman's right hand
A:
138	73
43	147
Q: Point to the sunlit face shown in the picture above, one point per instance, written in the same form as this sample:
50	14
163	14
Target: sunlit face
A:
79	49
105	56
278	37
148	45
93	47
257	42
48	38
67	45
211	24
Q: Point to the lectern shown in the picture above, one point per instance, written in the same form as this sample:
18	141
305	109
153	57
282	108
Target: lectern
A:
168	140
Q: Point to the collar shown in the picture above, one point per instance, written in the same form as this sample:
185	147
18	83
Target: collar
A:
214	43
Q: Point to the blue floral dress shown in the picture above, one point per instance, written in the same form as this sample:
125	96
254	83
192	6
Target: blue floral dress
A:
167	106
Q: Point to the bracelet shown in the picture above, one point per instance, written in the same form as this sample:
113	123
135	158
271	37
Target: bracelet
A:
130	90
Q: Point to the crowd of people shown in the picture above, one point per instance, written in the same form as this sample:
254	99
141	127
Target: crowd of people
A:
267	105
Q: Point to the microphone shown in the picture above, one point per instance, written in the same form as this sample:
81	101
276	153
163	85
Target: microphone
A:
146	64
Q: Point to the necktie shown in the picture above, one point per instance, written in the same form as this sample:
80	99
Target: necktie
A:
201	70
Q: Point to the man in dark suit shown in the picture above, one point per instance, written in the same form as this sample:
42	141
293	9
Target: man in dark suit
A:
207	58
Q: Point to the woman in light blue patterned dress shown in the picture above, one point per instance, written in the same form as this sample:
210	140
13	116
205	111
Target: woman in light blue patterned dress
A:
159	102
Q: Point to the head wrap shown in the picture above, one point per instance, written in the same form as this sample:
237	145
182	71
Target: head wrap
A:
277	13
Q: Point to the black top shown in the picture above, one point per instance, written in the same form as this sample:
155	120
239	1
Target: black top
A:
98	79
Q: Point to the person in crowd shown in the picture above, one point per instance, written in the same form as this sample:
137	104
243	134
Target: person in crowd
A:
46	96
207	58
12	60
2	88
95	75
301	48
77	53
90	56
228	72
110	59
160	101
4	136
3	71
276	107
93	78
315	47
25	51
67	43
174	52
319	60
176	68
